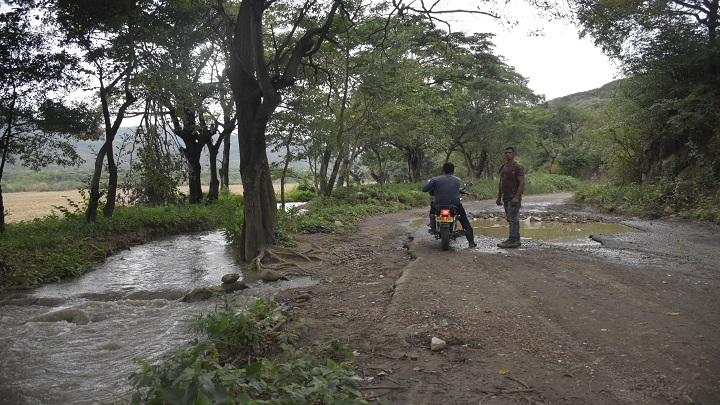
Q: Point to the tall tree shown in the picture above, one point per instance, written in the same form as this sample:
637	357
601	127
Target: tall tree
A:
35	129
103	31
183	58
671	51
256	84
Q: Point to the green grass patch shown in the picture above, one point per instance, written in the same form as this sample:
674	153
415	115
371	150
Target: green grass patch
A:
341	210
231	362
661	198
54	248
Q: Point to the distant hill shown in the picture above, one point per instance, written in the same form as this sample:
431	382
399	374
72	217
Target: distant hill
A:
591	99
19	178
88	152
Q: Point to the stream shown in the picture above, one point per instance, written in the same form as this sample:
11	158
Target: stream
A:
74	342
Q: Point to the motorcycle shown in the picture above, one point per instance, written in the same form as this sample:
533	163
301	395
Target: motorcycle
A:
444	222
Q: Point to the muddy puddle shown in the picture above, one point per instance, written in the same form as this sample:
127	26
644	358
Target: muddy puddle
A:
545	231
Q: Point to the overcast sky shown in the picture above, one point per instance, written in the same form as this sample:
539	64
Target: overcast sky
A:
556	64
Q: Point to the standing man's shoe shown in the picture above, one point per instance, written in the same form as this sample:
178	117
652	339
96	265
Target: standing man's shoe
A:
509	244
472	244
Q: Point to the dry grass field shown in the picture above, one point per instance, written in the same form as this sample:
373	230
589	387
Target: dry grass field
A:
26	206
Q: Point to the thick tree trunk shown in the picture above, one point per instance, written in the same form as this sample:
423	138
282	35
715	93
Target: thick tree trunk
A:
260	205
255	101
193	152
414	160
256	98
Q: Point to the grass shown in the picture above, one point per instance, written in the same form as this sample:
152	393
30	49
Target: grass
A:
663	197
57	247
245	356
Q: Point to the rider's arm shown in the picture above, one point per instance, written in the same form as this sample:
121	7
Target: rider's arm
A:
428	186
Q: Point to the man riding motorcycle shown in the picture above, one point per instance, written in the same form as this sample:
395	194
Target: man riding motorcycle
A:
445	190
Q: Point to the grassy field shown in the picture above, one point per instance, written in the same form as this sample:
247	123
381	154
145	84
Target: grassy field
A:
26	206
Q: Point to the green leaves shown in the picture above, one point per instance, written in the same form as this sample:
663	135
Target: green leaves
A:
198	374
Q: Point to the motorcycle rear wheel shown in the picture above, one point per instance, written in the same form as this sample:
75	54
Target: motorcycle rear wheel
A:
445	238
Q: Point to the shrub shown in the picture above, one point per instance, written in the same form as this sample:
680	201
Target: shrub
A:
201	374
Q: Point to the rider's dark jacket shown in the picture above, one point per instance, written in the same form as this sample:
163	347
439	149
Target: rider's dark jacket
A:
445	189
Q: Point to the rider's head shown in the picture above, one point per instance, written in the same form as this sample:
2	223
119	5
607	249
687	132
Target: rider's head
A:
448	168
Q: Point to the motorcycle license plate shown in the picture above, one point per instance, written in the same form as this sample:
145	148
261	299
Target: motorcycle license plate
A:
444	219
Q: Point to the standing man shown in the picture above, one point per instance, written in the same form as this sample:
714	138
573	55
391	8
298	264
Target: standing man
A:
445	190
510	189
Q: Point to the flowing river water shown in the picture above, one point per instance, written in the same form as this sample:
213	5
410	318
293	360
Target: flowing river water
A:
74	342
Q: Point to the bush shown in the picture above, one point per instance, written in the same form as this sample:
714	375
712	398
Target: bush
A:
687	198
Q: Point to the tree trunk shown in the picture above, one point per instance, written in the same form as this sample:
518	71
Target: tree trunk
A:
214	189
256	98
326	186
193	153
286	165
2	212
4	146
415	157
111	130
225	165
255	101
112	185
260	205
94	197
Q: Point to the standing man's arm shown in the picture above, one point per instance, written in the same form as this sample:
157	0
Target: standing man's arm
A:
520	189
499	197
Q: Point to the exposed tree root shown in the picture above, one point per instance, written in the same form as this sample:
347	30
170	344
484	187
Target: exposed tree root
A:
274	258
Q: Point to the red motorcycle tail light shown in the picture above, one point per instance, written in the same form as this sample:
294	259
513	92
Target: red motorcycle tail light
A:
444	213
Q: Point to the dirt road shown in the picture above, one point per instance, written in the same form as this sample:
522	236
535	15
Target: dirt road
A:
631	321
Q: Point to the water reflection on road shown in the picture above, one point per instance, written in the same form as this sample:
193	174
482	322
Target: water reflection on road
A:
552	232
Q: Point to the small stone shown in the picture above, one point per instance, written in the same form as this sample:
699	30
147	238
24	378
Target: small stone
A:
198	294
437	344
233	286
302	298
230	278
271	275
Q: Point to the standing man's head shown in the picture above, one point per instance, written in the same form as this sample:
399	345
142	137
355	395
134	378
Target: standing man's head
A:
448	168
509	153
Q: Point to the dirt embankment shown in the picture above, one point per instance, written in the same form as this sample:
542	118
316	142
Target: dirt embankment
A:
632	321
